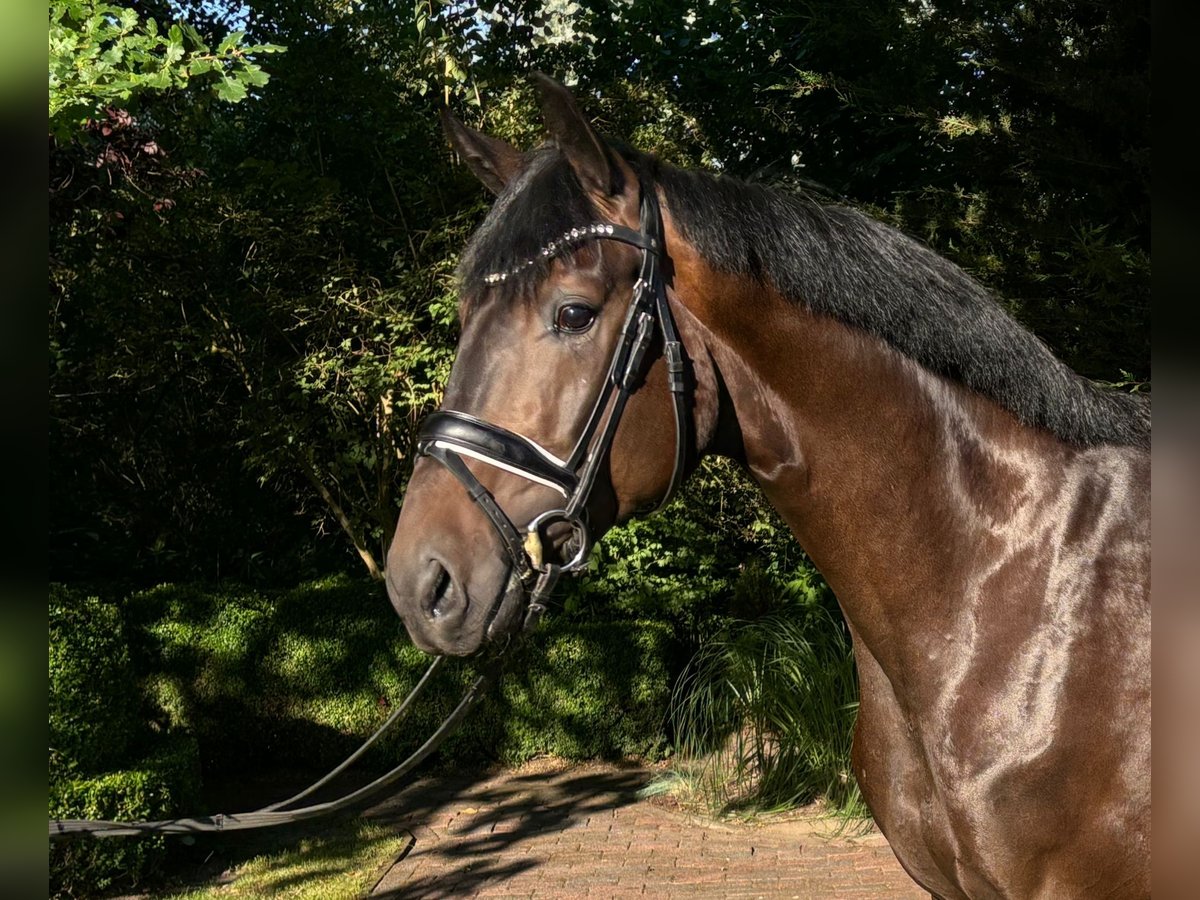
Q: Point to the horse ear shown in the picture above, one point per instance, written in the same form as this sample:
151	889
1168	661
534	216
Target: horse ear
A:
493	161
597	169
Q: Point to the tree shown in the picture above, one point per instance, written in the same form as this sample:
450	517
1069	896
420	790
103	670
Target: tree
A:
105	55
264	289
275	276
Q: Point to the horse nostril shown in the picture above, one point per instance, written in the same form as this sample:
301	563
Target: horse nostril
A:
442	597
440	591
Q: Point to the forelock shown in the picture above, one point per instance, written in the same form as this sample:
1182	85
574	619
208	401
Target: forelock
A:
538	207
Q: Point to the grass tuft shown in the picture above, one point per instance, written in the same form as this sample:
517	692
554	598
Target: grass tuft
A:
764	718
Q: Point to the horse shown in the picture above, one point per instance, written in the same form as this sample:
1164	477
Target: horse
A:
980	510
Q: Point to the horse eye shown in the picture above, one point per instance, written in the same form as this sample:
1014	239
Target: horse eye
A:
574	318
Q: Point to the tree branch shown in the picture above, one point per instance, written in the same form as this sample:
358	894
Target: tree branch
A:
360	545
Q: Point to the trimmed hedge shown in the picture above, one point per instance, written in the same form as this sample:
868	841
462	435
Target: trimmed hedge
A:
581	691
105	763
163	784
229	680
93	696
303	675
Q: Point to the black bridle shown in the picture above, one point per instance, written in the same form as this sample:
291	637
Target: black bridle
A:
448	436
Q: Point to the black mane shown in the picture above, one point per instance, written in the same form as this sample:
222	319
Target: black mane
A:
836	261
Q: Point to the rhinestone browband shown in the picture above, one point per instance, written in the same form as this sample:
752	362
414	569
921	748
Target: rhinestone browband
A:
600	229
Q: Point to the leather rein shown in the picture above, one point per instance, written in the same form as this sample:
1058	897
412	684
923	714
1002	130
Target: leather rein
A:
287	812
449	436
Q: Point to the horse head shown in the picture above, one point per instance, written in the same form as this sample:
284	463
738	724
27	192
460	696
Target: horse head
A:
565	411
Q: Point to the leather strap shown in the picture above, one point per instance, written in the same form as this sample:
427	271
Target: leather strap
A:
448	435
482	497
453	430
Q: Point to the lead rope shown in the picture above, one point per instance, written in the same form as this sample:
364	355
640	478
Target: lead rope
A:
275	815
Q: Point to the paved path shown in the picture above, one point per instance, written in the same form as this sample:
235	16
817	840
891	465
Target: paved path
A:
558	831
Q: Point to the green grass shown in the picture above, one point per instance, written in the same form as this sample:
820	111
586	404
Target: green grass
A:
339	865
764	718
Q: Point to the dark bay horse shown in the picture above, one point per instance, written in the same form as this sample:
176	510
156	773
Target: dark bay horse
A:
981	511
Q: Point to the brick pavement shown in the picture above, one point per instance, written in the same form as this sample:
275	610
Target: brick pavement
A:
560	831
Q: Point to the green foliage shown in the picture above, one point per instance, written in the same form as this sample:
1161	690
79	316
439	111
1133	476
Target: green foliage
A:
104	761
685	564
101	54
164	783
240	681
303	675
764	714
93	705
584	691
291	301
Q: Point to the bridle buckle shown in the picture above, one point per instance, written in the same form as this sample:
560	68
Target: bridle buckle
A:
536	549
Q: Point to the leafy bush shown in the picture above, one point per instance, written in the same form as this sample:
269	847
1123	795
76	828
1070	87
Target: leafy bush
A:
583	691
101	53
99	763
163	784
93	704
684	565
303	675
243	679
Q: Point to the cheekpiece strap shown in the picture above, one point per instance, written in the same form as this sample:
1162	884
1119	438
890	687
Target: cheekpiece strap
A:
449	435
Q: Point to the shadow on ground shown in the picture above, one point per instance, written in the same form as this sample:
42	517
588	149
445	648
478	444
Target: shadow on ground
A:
470	832
552	829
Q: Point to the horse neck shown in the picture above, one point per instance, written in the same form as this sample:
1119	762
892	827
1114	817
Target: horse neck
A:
892	478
